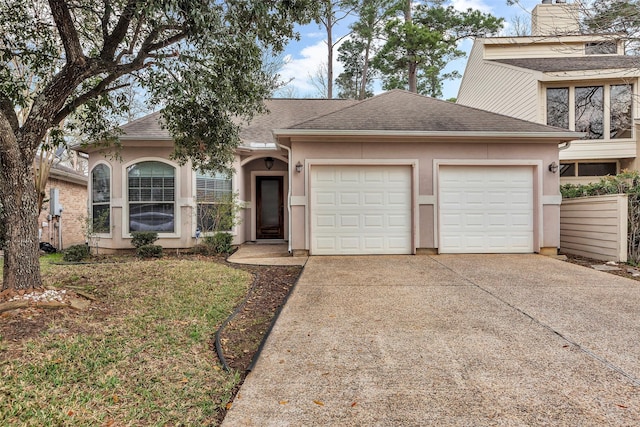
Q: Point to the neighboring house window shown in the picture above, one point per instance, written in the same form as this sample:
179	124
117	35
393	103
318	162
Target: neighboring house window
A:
588	169
100	199
151	192
558	107
601	48
590	110
620	100
214	198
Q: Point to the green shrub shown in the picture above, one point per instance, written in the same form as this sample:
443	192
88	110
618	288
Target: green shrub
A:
149	251
76	253
220	243
143	238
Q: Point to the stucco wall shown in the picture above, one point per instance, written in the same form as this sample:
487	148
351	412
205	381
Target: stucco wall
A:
185	214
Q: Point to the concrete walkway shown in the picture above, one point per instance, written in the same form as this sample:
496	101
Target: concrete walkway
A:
265	254
449	340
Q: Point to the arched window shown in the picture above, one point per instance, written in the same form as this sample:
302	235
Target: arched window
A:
214	197
101	199
151	196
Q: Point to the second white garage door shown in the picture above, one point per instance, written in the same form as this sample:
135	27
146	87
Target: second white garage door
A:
360	210
486	209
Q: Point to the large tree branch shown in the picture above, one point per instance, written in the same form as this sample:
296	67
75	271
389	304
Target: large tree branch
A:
99	89
133	42
7	110
106	17
164	43
120	31
67	31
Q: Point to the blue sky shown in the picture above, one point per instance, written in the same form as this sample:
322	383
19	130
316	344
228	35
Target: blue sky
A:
305	56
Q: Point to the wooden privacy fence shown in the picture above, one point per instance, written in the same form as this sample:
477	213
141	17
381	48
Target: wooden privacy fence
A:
595	227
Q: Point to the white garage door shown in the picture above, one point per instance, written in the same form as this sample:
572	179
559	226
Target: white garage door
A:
360	210
486	209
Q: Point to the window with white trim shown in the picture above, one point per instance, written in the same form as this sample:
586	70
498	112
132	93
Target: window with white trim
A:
583	109
101	199
214	200
151	197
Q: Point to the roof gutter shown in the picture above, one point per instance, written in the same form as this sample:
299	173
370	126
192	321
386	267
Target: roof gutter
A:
563	136
68	176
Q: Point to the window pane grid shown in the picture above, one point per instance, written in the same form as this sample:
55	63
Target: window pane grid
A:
150	186
100	199
214	199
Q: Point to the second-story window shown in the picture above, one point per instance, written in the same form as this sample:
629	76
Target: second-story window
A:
558	107
601	48
590	111
620	114
601	112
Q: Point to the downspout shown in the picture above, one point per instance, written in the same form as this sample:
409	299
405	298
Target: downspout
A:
288	192
565	146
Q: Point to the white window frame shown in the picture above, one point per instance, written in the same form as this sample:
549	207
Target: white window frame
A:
606	103
196	203
110	202
177	229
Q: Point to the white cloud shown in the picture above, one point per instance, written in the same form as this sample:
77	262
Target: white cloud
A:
314	34
305	63
463	5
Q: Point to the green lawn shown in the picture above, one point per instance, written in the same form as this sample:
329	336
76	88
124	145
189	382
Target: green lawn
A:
141	355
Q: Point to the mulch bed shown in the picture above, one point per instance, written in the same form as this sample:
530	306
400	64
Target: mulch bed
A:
243	335
588	262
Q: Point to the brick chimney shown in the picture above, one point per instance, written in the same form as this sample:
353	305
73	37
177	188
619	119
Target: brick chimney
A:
555	18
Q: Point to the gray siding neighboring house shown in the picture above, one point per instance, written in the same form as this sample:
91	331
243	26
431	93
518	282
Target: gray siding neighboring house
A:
517	76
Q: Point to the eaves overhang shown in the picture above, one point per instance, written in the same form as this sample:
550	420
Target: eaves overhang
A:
467	136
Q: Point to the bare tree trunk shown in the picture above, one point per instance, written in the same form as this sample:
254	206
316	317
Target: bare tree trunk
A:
412	72
365	70
330	53
19	213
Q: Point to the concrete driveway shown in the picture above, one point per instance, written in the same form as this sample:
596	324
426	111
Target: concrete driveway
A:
449	340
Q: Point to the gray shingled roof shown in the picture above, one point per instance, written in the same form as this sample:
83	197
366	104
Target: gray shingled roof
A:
402	111
147	128
282	113
583	63
287	112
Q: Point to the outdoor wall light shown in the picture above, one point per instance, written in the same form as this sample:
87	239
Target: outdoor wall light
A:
298	167
553	167
268	162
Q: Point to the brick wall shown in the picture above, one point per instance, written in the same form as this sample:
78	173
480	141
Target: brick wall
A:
73	198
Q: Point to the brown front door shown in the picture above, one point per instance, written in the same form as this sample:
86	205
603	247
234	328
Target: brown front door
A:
270	208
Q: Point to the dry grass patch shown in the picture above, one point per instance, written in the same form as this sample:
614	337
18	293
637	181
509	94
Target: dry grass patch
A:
141	355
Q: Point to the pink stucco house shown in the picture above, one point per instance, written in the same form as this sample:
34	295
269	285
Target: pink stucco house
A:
398	173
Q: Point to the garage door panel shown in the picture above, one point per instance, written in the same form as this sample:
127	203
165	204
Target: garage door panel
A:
325	198
349	199
373	221
371	206
372	199
326	221
373	176
486	209
350	221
